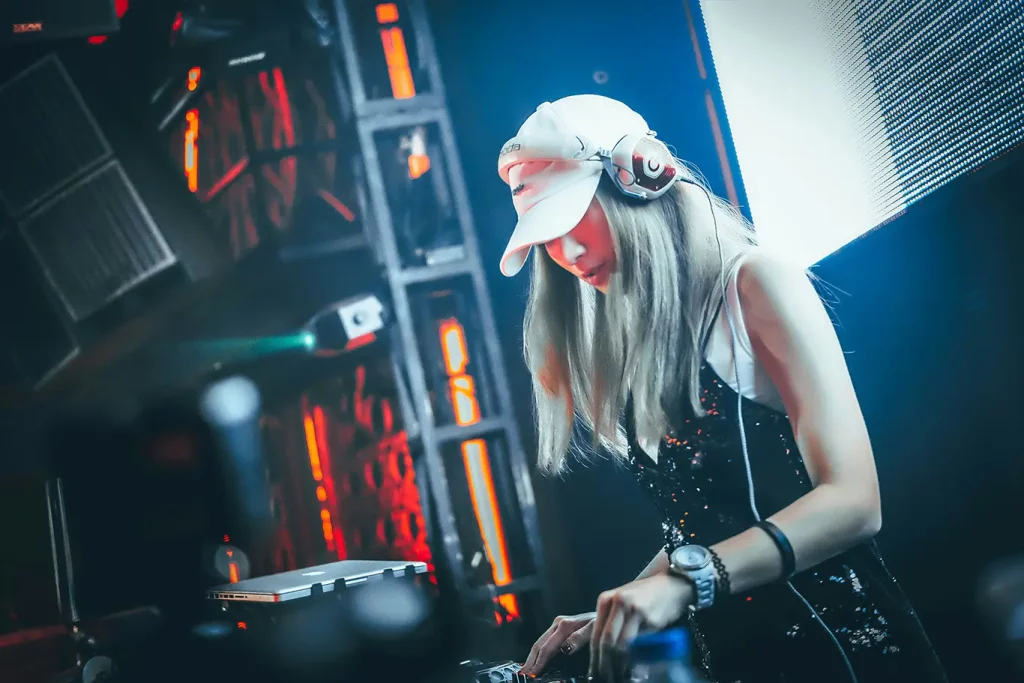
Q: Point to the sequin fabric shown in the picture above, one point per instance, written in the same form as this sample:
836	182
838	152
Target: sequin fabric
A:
699	484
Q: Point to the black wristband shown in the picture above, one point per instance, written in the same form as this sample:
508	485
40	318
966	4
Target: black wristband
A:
784	546
724	587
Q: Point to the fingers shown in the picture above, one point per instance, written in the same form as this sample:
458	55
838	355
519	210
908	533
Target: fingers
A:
620	648
577	640
617	624
630	630
609	657
605	605
535	651
563	630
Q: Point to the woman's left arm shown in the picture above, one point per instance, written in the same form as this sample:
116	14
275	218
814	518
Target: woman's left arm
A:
793	339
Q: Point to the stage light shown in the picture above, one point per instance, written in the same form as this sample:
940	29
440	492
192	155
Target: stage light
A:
815	178
345	326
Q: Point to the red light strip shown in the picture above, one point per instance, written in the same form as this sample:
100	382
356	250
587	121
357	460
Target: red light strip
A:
338	206
228	178
324	446
313	449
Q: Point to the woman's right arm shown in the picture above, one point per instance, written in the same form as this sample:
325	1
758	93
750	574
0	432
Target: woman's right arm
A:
569	634
659	565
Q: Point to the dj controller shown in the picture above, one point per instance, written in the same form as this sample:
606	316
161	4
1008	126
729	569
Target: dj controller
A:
509	672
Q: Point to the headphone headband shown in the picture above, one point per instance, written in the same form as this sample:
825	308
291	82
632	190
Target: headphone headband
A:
639	165
518	150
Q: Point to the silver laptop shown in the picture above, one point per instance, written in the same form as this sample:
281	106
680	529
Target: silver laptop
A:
303	583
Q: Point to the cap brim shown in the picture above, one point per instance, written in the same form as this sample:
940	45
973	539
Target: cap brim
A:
547	220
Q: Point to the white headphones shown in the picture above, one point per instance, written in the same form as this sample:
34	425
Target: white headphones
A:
639	164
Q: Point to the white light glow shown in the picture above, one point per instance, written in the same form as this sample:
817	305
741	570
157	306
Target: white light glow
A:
808	132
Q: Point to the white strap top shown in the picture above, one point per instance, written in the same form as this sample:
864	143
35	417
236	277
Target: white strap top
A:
755	383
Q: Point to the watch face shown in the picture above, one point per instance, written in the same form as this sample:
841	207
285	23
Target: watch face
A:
691	557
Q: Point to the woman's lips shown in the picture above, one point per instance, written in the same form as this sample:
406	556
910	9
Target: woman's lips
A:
596	276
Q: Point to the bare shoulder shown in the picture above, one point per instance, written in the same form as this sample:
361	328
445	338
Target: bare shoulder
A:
772	290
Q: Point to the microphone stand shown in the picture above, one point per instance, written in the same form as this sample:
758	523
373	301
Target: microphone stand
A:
90	667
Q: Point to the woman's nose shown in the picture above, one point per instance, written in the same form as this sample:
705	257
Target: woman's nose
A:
572	250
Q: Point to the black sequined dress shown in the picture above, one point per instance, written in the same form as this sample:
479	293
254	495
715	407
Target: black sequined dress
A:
767	635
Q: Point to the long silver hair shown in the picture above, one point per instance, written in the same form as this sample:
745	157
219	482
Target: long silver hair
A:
587	351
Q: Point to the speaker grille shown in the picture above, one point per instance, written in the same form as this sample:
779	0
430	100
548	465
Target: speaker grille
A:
96	240
54	138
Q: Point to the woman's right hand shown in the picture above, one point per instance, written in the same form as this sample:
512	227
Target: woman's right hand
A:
566	635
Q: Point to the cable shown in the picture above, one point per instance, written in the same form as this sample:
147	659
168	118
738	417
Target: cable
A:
612	170
743	430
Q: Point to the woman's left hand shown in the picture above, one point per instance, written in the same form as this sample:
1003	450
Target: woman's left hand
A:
649	604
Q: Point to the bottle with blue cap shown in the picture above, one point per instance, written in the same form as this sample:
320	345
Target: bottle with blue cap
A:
662	657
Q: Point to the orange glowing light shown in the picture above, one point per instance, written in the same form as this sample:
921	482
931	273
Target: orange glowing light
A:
475	458
312	448
387	13
485	503
453	345
418	165
511	605
242	626
194	75
335	540
232	573
397	58
467	409
461	385
192	150
315	426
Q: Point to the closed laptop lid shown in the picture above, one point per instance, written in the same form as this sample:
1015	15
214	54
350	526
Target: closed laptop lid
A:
300	583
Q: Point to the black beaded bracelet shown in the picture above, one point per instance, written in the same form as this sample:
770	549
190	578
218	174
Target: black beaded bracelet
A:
784	546
724	587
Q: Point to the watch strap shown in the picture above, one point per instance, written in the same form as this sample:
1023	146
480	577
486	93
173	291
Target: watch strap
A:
703	581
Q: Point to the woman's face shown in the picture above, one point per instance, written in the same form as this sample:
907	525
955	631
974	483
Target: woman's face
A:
588	251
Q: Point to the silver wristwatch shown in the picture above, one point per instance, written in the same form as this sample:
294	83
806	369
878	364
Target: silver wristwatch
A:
693	562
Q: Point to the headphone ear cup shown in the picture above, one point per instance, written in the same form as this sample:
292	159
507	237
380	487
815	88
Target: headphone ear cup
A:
625	176
644	165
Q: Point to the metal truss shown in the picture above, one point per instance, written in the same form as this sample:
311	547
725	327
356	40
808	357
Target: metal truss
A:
429	108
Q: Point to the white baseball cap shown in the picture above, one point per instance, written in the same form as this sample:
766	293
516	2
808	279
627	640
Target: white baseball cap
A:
553	170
